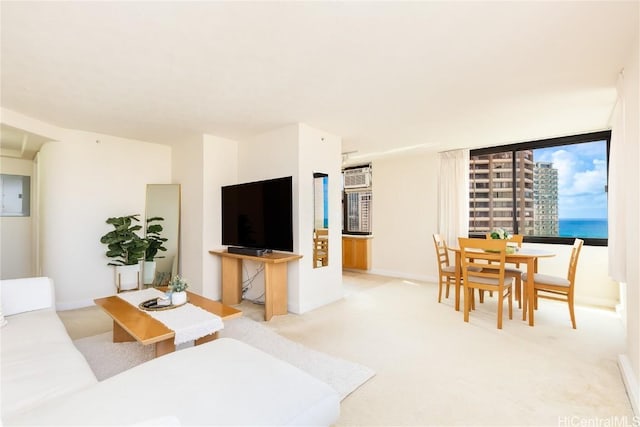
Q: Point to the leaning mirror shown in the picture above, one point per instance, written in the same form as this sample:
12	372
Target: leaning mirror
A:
162	231
320	220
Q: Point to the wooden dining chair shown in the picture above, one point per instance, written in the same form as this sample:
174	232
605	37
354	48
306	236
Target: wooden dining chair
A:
321	248
558	288
446	272
514	271
475	254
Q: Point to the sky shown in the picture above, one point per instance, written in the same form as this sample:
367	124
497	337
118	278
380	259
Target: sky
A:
582	176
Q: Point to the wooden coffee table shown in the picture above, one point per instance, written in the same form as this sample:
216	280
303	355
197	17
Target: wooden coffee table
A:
132	324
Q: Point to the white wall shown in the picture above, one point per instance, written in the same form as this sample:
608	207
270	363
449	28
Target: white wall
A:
404	215
17	252
630	361
202	165
187	170
220	157
85	179
70	249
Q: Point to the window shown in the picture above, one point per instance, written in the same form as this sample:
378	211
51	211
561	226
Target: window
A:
550	191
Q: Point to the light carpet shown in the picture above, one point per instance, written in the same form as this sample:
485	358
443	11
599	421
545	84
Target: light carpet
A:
107	358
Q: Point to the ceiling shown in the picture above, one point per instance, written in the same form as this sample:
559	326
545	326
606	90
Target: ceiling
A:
388	77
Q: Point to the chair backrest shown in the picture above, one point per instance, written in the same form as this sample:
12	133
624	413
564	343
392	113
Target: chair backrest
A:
573	262
321	232
442	253
476	254
321	244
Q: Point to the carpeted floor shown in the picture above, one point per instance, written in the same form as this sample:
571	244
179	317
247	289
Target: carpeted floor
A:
434	369
107	358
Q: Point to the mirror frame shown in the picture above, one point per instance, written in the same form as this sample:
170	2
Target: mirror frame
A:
164	200
320	223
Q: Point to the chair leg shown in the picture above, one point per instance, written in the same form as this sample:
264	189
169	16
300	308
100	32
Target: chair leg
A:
510	303
519	291
446	294
500	304
571	312
440	289
467	303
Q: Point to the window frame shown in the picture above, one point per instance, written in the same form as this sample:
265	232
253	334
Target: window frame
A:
546	143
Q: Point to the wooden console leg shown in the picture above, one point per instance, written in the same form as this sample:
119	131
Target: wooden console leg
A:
120	335
275	284
231	281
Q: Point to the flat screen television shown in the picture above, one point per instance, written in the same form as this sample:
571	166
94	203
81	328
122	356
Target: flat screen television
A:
258	215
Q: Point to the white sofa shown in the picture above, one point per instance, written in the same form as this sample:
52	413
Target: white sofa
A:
45	380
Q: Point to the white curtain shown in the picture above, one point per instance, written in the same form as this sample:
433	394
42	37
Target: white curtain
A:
453	196
619	164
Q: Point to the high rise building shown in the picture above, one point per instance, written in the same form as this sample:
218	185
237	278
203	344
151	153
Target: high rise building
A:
545	199
493	200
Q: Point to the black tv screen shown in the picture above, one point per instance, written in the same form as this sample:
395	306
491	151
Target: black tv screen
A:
258	214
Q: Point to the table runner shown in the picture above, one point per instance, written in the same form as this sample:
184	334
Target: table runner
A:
189	322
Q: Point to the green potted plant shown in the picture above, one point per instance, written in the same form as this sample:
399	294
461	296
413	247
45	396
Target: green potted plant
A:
155	243
125	248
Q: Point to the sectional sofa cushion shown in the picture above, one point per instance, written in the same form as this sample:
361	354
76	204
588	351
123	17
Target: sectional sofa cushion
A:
39	361
224	382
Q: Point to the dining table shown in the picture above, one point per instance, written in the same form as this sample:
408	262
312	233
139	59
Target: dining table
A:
521	255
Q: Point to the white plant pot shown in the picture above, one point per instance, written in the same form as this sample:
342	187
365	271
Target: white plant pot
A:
178	298
127	277
149	272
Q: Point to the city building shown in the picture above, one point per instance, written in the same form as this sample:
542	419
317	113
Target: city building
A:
545	199
492	198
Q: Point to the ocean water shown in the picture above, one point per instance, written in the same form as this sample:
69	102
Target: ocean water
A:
576	227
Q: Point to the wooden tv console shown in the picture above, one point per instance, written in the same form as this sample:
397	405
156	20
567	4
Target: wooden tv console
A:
275	279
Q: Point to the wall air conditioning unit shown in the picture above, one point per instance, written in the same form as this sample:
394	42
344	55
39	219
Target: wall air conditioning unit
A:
357	177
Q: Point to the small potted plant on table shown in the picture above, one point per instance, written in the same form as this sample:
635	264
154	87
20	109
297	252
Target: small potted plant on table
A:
177	288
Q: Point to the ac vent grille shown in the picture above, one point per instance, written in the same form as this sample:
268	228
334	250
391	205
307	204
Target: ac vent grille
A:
357	178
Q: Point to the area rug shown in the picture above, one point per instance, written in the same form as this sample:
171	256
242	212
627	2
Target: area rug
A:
107	358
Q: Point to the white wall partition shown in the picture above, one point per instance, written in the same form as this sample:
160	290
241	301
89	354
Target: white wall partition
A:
202	165
220	157
273	154
187	170
298	151
319	152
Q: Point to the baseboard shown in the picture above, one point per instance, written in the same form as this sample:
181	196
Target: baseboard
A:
630	382
597	302
73	305
404	275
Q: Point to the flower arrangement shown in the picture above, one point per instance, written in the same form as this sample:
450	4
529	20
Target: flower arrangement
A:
500	234
178	284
